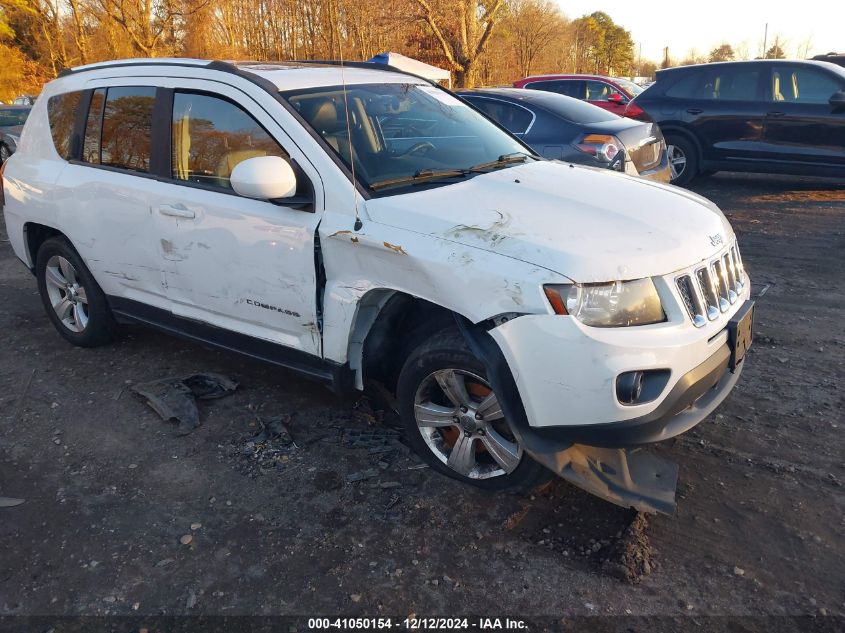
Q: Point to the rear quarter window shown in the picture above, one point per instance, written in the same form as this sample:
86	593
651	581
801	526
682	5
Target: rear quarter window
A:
61	114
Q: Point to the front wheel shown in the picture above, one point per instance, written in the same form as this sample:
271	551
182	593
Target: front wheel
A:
453	420
683	159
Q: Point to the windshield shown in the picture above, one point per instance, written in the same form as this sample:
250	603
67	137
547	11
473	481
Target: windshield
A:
632	88
12	118
404	135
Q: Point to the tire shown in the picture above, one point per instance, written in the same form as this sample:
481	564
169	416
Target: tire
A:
81	313
683	159
4	153
488	454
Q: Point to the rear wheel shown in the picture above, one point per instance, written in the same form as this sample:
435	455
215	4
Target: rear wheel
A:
74	302
453	420
683	159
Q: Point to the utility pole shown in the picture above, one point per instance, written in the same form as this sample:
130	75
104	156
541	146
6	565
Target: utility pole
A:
640	60
765	38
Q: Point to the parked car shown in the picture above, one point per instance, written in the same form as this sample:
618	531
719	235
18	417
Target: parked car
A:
833	58
610	93
564	128
24	100
12	119
365	224
771	116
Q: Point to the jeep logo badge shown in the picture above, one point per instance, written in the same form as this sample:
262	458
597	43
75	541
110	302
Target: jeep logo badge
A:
715	239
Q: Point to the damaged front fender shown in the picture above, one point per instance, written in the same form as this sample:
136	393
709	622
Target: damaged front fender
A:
631	478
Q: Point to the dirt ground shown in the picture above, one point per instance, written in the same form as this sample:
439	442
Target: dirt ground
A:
113	495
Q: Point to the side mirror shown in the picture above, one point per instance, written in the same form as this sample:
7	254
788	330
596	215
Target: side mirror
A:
264	178
617	98
838	99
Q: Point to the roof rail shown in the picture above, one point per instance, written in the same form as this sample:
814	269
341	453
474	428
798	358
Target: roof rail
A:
227	66
366	65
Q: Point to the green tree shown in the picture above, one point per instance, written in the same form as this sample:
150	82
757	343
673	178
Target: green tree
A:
723	53
602	46
775	52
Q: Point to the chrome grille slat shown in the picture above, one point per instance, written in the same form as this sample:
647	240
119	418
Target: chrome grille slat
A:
730	276
708	291
721	283
691	300
711	289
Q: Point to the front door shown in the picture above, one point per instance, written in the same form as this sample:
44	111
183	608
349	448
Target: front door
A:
801	125
603	95
240	264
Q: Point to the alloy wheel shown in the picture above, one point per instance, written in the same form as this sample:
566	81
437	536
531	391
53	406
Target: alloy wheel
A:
677	161
461	422
67	295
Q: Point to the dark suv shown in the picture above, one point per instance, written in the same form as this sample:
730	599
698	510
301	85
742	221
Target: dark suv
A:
771	116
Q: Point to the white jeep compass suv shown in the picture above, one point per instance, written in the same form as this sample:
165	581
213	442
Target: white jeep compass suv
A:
353	222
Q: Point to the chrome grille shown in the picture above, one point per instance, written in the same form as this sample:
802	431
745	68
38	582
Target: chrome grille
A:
712	288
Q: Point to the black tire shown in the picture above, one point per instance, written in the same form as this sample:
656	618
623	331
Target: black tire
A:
4	153
443	351
99	327
690	153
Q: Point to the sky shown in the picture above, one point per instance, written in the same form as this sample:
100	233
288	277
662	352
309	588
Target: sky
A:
704	24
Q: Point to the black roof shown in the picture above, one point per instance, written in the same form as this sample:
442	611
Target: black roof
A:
554	103
810	62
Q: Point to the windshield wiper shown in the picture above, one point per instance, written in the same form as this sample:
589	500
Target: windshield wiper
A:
423	175
502	161
428	175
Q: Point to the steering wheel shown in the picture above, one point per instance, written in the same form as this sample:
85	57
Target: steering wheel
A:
422	146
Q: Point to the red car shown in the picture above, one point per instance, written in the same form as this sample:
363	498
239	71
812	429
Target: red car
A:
606	92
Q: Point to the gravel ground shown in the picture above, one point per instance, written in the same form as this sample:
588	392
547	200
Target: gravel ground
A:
122	516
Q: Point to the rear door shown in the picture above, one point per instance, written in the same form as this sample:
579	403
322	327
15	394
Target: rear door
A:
105	191
723	105
801	126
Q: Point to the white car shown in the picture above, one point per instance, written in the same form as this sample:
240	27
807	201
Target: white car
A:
355	222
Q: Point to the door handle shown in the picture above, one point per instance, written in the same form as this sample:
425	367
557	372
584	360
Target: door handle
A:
774	113
177	211
695	110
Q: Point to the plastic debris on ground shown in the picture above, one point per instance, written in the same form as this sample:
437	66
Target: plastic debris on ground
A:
176	398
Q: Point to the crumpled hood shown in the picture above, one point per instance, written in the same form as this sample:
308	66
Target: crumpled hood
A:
587	224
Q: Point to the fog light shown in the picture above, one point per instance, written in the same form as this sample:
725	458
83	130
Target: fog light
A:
639	387
629	386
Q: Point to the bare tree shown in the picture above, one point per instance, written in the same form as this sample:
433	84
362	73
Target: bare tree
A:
464	43
534	25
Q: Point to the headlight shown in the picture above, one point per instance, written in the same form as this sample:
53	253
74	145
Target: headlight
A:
614	304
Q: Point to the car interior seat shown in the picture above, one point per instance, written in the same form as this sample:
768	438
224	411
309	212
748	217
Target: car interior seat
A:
776	93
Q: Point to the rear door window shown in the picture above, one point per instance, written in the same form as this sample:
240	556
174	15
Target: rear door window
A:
61	114
94	128
211	135
719	84
127	128
568	87
803	85
513	118
118	127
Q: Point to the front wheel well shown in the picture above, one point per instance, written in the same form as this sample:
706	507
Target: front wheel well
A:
387	338
34	236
